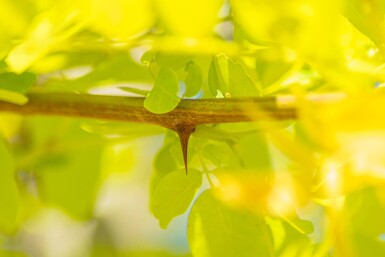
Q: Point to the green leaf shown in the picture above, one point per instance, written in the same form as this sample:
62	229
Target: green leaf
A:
368	18
13	87
193	80
218	77
6	253
174	61
18	83
174	194
255	152
215	230
69	165
365	211
164	96
9	192
13	97
229	77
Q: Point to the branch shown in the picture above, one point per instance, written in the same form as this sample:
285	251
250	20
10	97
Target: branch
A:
189	112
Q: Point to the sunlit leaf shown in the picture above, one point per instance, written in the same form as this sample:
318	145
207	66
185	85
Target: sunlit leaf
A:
216	230
191	18
368	18
46	33
164	96
120	18
9	192
174	194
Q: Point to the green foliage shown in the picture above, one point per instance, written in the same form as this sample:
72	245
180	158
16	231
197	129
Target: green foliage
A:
164	96
216	230
174	194
9	192
308	187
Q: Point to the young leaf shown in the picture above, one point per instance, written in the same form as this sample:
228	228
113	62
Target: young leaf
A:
9	193
193	80
164	96
174	194
214	230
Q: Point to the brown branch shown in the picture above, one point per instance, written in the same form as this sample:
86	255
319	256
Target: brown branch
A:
188	113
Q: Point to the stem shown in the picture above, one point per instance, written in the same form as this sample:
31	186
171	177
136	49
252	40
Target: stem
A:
190	112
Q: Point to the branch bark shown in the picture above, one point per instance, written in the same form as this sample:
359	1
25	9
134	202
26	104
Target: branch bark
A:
188	113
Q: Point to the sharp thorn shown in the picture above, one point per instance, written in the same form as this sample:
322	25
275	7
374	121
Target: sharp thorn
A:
184	132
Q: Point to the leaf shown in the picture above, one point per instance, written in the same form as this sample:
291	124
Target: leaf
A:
13	97
190	18
174	194
229	77
368	18
194	79
121	18
18	83
218	77
172	60
13	87
47	32
241	84
255	152
164	96
214	230
69	165
9	192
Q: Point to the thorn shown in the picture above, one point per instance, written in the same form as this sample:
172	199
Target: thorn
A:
184	132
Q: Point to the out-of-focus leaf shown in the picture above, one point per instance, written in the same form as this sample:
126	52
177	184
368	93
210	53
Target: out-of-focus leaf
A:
174	194
364	211
14	86
14	17
13	97
47	32
216	230
221	155
18	83
164	96
114	69
164	163
68	167
6	253
194	79
122	19
9	192
229	77
272	64
191	18
174	61
255	152
368	18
